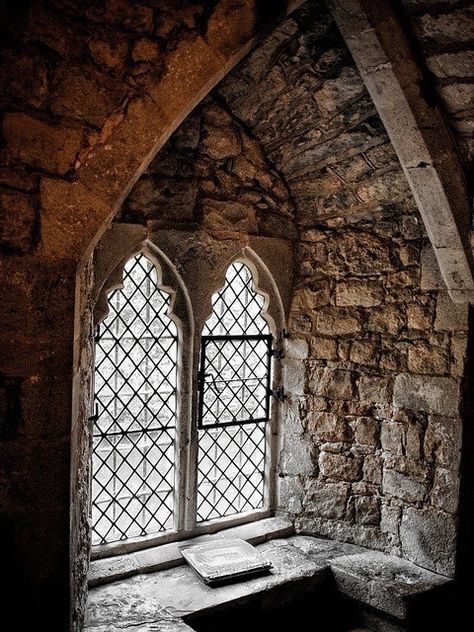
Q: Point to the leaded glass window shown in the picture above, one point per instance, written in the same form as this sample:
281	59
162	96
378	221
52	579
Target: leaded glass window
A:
234	387
133	486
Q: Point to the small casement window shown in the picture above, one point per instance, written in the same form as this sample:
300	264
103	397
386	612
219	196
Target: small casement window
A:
135	428
169	461
234	400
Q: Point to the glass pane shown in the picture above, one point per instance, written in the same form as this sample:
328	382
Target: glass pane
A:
231	459
135	389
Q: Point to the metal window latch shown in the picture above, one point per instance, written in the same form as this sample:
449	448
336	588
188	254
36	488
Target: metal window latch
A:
95	416
278	393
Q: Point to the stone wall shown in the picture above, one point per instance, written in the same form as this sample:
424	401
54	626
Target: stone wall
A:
373	434
89	91
443	36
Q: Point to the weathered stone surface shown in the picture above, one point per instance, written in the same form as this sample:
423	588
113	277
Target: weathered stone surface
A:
41	145
403	486
447	28
17	221
381	581
439	395
333	383
423	358
375	388
328	427
428	538
359	292
340	467
366	430
393	437
388	320
337	322
367	510
327	499
88	96
455	65
450	316
23	78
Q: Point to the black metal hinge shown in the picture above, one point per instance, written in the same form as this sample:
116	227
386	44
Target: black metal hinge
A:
277	393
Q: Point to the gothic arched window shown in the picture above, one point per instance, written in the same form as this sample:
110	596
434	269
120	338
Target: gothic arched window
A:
181	432
135	393
234	404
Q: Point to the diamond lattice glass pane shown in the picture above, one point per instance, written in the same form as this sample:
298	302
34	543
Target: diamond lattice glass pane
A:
231	464
236	380
237	308
235	367
135	390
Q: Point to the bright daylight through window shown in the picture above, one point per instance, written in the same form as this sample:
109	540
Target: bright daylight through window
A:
135	437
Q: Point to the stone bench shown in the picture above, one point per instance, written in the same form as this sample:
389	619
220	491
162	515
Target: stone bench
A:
304	567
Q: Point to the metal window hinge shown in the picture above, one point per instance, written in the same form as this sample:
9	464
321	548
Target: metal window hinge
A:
278	393
278	354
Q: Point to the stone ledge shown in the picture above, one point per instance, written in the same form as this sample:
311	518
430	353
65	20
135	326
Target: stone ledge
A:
387	585
384	582
164	556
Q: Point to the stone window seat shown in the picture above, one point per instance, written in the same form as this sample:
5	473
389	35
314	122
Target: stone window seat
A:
390	593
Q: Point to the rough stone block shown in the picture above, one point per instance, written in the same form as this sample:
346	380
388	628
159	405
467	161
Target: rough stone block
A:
382	581
372	469
367	510
458	97
363	351
386	320
446	28
438	395
450	316
427	359
366	430
455	65
328	500
431	278
445	492
17	219
375	388
323	348
296	348
86	95
296	457
340	467
359	292
428	538
294	376
419	317
337	322
333	383
403	486
328	427
40	144
392	437
290	494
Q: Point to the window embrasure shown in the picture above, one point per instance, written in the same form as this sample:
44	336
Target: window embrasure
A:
184	434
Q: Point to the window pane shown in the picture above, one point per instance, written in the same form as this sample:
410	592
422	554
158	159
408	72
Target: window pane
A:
231	459
135	389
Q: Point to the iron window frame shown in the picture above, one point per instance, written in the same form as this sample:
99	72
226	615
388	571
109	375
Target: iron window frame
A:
205	340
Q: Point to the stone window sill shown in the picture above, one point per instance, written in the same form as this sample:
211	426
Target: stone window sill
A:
388	588
164	556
